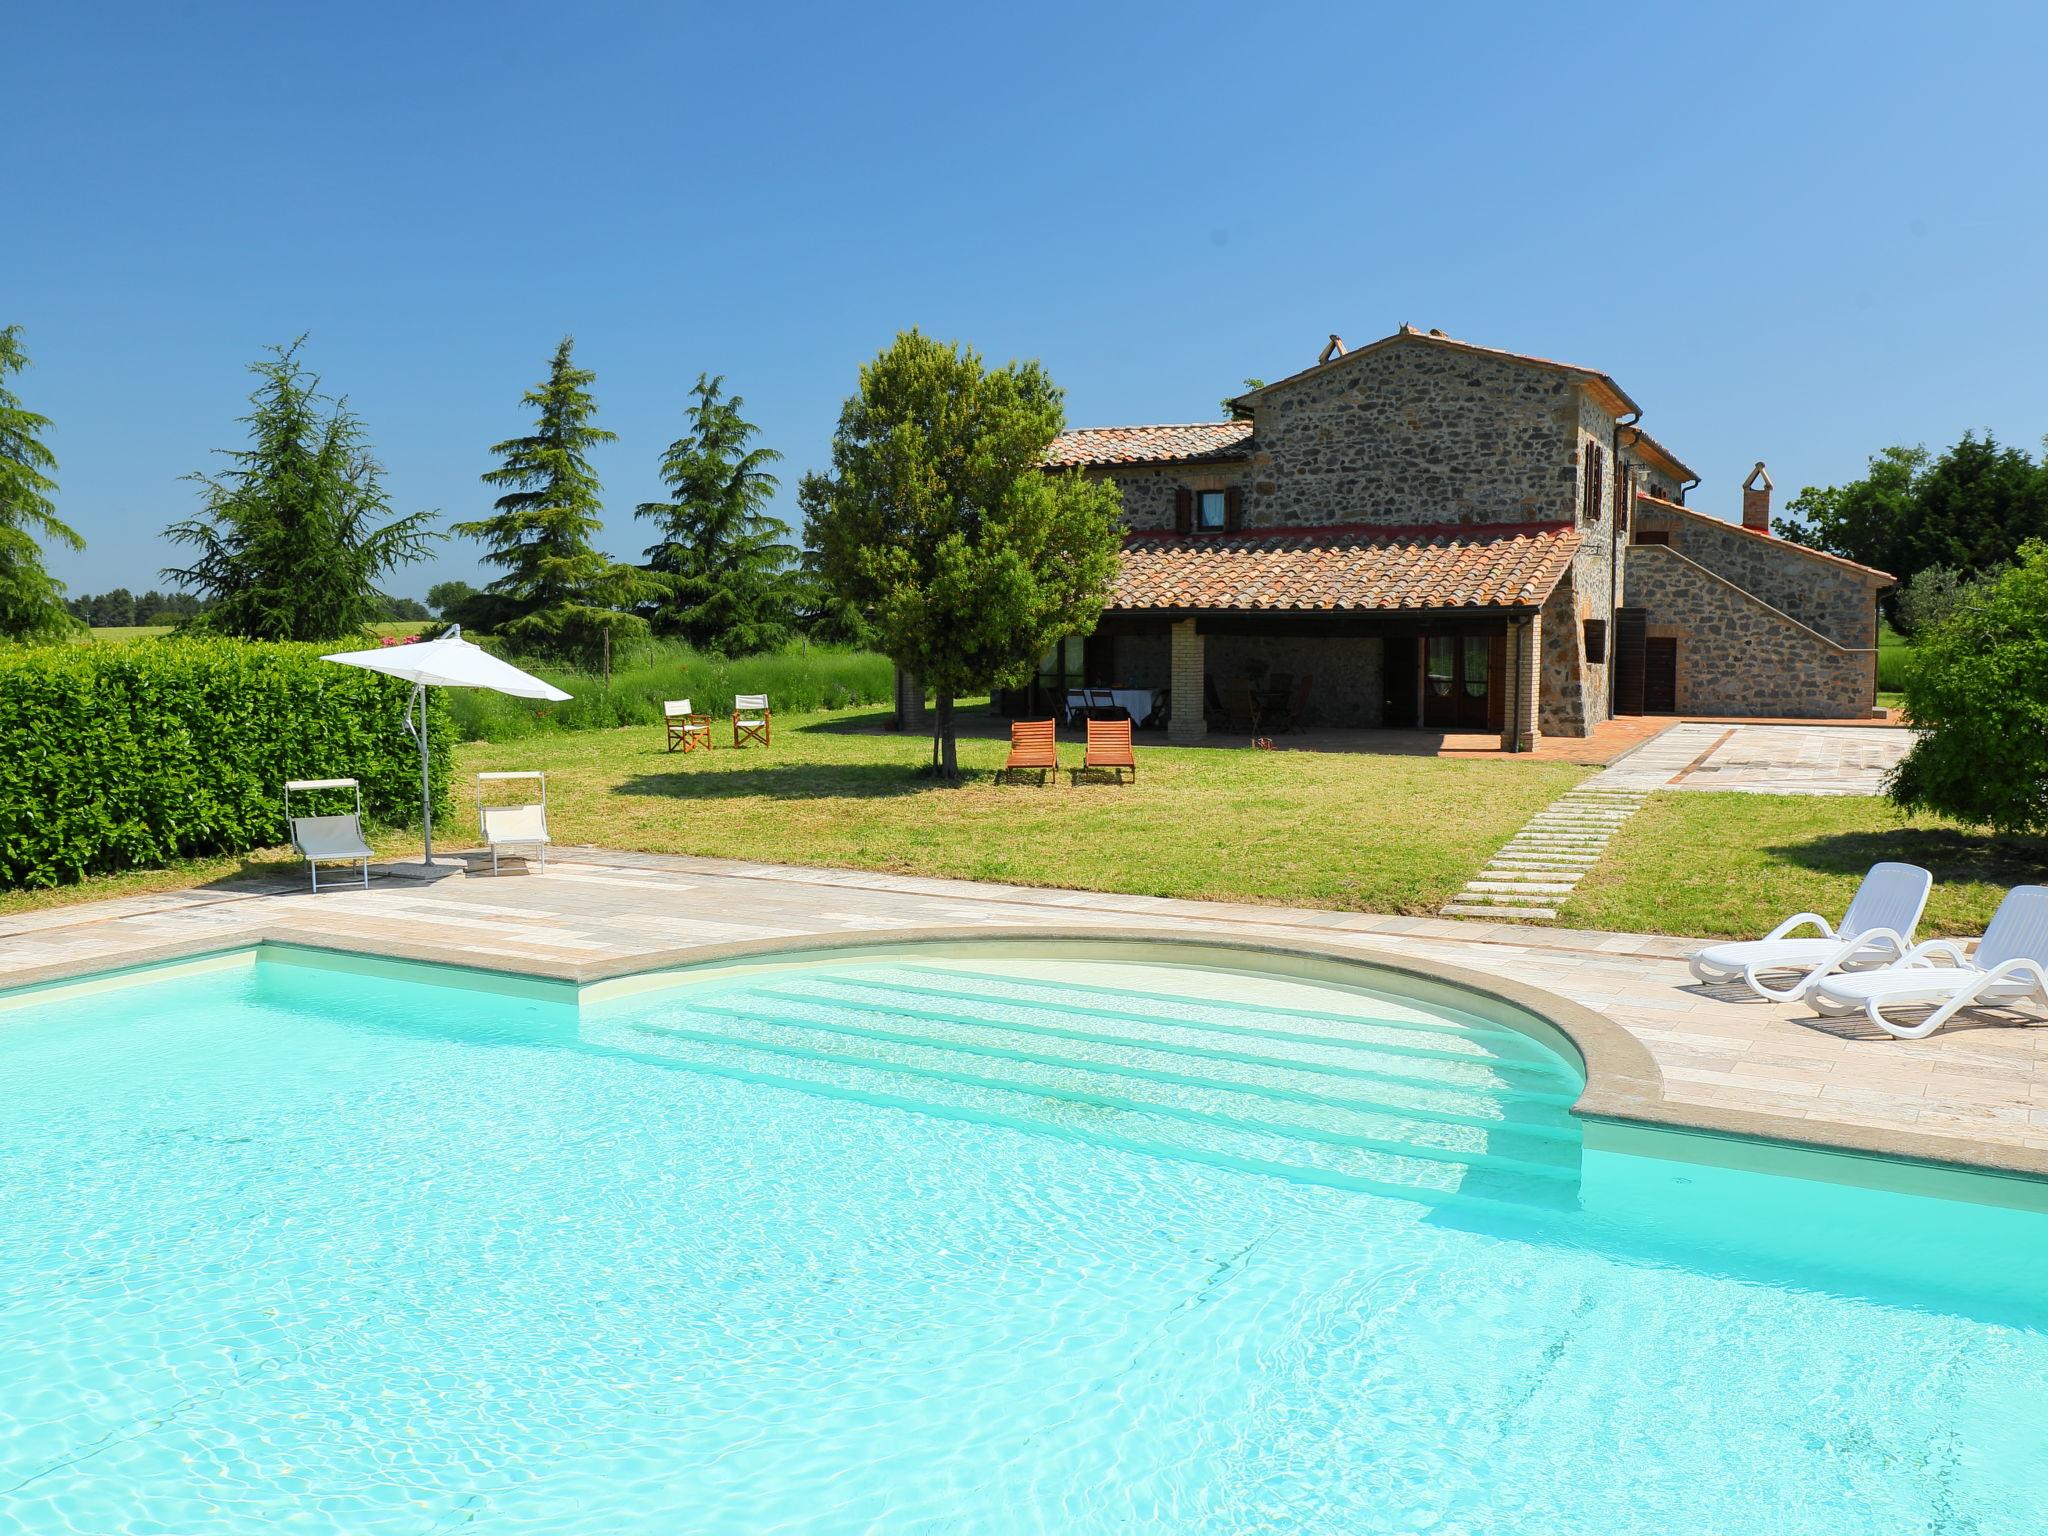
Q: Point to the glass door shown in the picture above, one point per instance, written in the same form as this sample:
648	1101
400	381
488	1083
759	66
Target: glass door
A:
1457	682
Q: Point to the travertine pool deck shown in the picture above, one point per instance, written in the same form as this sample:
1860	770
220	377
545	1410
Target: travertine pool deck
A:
1976	1093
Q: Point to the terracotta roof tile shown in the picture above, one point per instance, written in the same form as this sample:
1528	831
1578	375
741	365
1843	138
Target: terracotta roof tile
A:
1343	570
1150	445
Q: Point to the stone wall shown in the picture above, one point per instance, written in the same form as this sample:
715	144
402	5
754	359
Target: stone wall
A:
1415	433
1650	477
1839	602
1568	705
1739	656
1143	660
1149	492
1348	688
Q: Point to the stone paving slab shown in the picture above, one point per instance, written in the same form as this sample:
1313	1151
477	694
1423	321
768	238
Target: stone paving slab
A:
1795	759
1980	1087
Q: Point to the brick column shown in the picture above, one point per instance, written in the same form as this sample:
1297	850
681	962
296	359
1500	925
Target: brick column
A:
1187	723
1519	731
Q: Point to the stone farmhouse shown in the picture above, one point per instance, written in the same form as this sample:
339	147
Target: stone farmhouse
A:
1455	538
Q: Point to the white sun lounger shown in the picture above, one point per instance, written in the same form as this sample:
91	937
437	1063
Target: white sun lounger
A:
514	826
2010	965
1876	930
328	839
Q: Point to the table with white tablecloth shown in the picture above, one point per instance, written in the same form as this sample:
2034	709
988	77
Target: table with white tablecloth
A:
1138	703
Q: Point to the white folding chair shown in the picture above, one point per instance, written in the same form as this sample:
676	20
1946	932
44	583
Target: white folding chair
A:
513	826
336	839
751	720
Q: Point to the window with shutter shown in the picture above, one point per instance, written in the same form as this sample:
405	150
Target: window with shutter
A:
1596	641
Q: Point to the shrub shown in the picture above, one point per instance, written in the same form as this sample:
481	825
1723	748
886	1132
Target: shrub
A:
1978	690
795	679
1932	595
126	757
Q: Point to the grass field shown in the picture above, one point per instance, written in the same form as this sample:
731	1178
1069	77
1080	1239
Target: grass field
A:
1894	657
1737	865
1383	834
117	633
1339	830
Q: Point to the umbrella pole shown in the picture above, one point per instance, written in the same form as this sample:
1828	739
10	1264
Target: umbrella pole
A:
419	693
419	734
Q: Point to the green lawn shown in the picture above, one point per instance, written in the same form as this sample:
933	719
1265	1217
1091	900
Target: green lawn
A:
119	633
1730	864
1349	831
1382	834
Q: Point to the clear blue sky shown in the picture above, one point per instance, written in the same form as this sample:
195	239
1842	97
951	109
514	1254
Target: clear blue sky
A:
1794	233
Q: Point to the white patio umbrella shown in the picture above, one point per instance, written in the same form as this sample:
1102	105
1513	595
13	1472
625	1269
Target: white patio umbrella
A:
449	662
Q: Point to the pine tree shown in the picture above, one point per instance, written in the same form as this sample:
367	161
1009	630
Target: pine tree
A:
559	595
724	572
939	523
31	599
294	538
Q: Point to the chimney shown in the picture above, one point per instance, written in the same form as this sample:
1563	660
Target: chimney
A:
1756	500
1334	349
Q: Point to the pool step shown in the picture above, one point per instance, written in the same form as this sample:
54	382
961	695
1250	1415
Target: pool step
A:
1413	1110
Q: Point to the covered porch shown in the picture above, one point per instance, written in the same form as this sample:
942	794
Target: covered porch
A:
1264	633
1246	675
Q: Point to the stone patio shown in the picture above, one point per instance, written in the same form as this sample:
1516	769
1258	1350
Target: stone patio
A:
1975	1093
1780	759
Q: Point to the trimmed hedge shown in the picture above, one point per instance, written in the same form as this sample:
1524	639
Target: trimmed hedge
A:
128	757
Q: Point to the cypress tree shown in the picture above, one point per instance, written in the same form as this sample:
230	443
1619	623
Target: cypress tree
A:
724	572
31	599
295	536
559	595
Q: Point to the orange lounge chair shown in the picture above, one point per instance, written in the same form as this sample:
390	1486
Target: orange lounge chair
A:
1032	750
1109	750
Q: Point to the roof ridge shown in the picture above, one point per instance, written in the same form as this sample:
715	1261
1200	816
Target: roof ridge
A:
1160	426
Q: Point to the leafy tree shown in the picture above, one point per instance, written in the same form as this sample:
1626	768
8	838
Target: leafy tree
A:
821	613
1235	412
31	599
1978	691
939	524
114	610
1969	509
559	594
444	597
1930	597
722	568
406	610
165	607
294	537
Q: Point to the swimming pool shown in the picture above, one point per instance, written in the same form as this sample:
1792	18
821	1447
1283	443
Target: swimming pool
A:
946	1240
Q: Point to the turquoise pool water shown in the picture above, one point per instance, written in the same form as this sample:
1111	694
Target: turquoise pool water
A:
944	1245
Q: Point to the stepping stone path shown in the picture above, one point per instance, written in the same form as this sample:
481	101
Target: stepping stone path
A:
1530	877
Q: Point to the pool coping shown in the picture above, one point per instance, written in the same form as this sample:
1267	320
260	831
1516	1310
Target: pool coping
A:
1623	1106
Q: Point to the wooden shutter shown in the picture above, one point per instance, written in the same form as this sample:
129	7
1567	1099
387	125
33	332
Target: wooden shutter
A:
1183	510
1624	497
1585	481
1593	484
1233	508
1629	660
